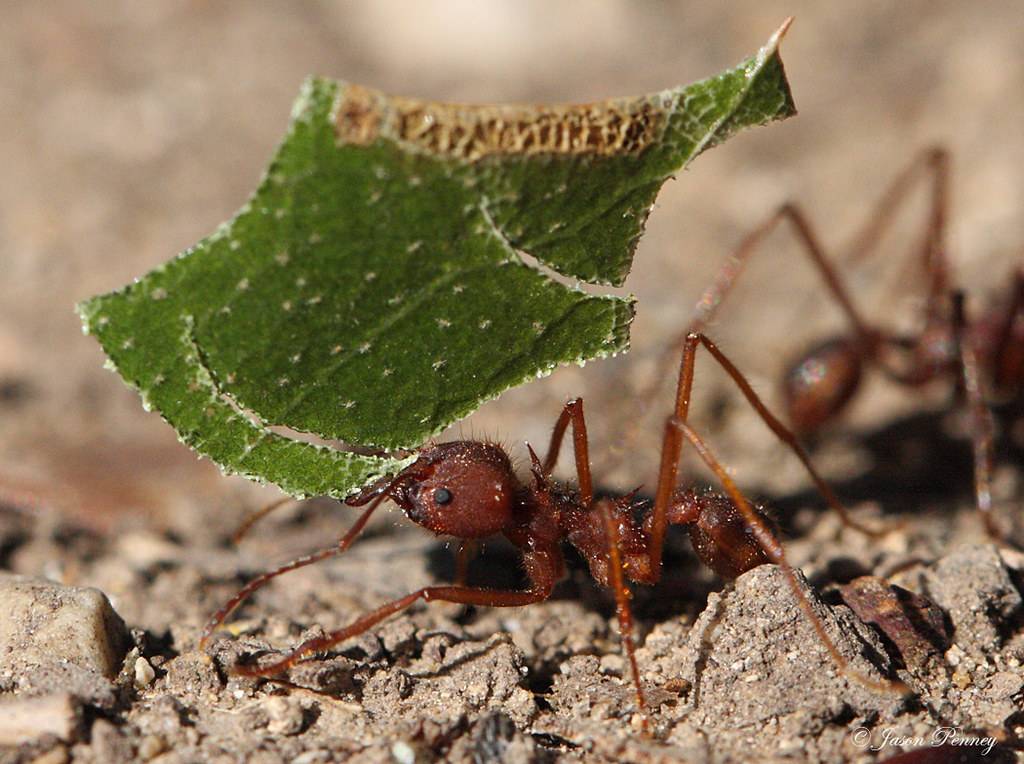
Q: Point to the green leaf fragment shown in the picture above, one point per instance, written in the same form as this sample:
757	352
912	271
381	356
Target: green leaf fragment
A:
372	290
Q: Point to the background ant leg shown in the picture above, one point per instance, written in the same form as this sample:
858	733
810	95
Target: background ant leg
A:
981	422
247	524
715	294
672	444
300	562
773	549
459	594
933	162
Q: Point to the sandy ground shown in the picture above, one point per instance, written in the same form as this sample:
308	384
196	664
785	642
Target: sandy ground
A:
129	131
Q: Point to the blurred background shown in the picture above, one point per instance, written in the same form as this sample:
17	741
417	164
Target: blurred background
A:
128	131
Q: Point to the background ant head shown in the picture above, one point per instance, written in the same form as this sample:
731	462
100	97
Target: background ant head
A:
465	489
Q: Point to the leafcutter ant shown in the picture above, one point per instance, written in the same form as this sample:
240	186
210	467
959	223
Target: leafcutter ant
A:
468	490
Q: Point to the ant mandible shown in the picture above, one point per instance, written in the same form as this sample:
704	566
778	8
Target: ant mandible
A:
468	490
981	357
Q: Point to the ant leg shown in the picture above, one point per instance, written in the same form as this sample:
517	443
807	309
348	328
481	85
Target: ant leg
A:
774	550
300	562
933	162
246	525
573	412
715	294
672	444
982	426
623	612
459	594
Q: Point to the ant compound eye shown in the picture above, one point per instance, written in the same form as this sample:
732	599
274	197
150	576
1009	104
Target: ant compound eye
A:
442	496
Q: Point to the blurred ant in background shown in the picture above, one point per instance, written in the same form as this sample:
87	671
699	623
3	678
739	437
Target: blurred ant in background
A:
981	357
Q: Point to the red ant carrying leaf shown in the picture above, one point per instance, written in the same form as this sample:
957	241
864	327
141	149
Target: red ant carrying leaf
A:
468	490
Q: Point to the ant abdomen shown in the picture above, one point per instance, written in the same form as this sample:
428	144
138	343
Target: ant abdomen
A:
820	384
1000	340
721	536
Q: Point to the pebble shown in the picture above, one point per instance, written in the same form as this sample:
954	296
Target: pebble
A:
43	623
144	673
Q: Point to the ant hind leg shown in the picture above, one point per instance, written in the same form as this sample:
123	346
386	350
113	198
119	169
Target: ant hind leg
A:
773	549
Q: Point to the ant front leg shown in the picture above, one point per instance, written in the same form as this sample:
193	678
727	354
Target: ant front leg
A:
458	594
572	413
260	581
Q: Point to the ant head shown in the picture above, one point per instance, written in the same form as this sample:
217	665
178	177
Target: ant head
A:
465	489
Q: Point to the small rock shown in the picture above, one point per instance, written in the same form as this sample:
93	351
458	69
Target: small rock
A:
108	744
974	587
285	715
43	624
151	746
56	755
144	673
26	719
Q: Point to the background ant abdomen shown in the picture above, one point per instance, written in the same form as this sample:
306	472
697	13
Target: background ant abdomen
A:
821	383
999	338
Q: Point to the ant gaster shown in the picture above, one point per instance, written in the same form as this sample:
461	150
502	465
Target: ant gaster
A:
468	490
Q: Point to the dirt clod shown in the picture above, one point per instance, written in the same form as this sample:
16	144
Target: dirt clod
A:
46	624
